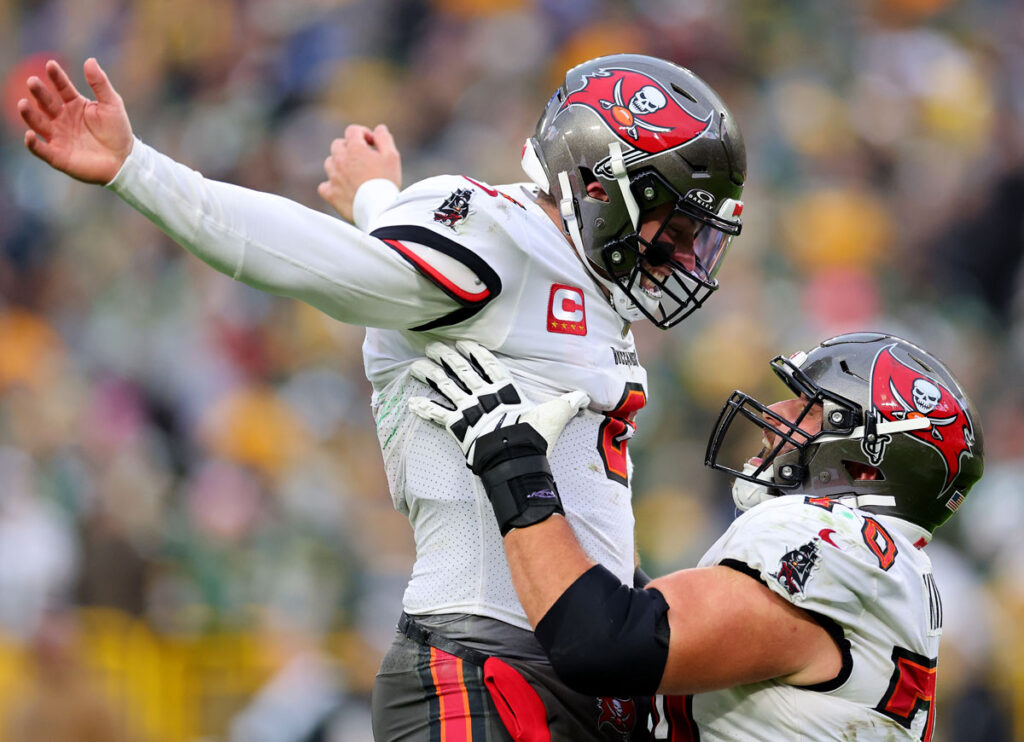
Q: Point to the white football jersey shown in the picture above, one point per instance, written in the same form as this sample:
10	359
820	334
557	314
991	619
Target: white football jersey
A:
866	578
450	259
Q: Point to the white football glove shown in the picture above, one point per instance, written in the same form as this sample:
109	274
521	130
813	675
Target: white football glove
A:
484	397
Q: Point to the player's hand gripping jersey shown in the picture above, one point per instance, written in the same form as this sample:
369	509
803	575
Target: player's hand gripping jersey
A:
450	259
868	581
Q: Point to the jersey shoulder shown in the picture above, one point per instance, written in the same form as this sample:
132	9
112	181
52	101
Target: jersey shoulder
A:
808	550
461	235
458	207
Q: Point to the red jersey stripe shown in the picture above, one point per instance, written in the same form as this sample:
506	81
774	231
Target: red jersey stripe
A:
436	276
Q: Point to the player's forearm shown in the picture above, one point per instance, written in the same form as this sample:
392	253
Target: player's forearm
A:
545	559
602	637
215	221
275	244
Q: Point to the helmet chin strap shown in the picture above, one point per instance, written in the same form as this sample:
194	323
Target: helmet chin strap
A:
618	166
746	494
621	302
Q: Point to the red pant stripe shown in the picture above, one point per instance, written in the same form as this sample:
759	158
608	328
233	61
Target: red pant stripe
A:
446	671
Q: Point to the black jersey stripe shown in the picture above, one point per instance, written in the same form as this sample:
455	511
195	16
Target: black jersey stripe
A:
470	303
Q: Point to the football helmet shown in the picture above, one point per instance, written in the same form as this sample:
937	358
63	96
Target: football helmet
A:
897	434
650	133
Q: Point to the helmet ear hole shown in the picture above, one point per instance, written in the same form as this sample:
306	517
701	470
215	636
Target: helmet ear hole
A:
592	186
683	92
861	472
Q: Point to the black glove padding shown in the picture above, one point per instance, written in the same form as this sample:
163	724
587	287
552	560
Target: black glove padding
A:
513	467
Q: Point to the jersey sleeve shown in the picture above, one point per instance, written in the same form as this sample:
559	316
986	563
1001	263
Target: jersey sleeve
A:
372	198
280	246
452	231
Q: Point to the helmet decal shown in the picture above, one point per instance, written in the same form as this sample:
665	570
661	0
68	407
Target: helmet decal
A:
898	392
637	109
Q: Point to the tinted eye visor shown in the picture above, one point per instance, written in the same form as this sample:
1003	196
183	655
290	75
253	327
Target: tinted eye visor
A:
702	259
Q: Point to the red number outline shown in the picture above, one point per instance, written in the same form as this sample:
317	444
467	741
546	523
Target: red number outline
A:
886	551
611	443
822	502
911	688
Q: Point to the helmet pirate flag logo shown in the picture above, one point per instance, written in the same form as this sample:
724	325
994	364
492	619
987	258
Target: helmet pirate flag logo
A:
898	392
638	109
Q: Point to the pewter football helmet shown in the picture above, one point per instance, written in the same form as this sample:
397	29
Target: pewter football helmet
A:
650	133
888	408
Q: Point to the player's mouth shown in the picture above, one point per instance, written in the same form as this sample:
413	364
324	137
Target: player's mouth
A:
758	460
650	283
650	290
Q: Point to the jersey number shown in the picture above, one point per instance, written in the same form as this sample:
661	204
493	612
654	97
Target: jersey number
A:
616	430
875	537
911	688
879	542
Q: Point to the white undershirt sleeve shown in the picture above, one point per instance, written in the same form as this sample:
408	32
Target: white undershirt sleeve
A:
278	245
371	198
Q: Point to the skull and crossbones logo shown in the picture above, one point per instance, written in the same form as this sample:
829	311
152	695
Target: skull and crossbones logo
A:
645	101
925	395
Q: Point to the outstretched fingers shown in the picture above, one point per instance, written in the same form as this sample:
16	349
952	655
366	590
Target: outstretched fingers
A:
430	410
458	365
434	375
61	82
100	83
484	360
40	147
36	120
44	98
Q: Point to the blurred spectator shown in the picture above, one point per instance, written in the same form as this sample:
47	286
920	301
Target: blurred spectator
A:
37	549
61	702
186	449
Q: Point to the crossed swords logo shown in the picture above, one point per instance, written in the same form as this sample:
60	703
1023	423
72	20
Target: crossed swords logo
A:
645	101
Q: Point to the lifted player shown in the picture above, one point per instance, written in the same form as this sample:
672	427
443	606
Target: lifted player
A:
637	171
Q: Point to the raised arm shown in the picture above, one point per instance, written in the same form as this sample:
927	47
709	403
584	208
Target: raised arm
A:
264	240
89	140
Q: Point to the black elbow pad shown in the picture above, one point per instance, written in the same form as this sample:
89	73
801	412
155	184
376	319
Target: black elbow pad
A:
606	639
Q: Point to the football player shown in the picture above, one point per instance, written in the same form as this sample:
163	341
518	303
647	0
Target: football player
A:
816	615
636	172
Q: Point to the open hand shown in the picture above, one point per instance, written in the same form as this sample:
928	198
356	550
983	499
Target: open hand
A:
87	139
361	155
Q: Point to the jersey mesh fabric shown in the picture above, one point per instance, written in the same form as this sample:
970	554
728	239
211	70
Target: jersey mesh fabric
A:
460	559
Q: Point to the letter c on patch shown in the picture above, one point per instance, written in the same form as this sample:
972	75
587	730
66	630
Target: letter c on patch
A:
567	305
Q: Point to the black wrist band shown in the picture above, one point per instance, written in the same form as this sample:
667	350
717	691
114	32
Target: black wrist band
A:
512	465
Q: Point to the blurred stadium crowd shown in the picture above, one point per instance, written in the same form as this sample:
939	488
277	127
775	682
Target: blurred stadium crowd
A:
196	541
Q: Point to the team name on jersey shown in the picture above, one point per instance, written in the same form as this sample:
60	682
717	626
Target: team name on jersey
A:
625	357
